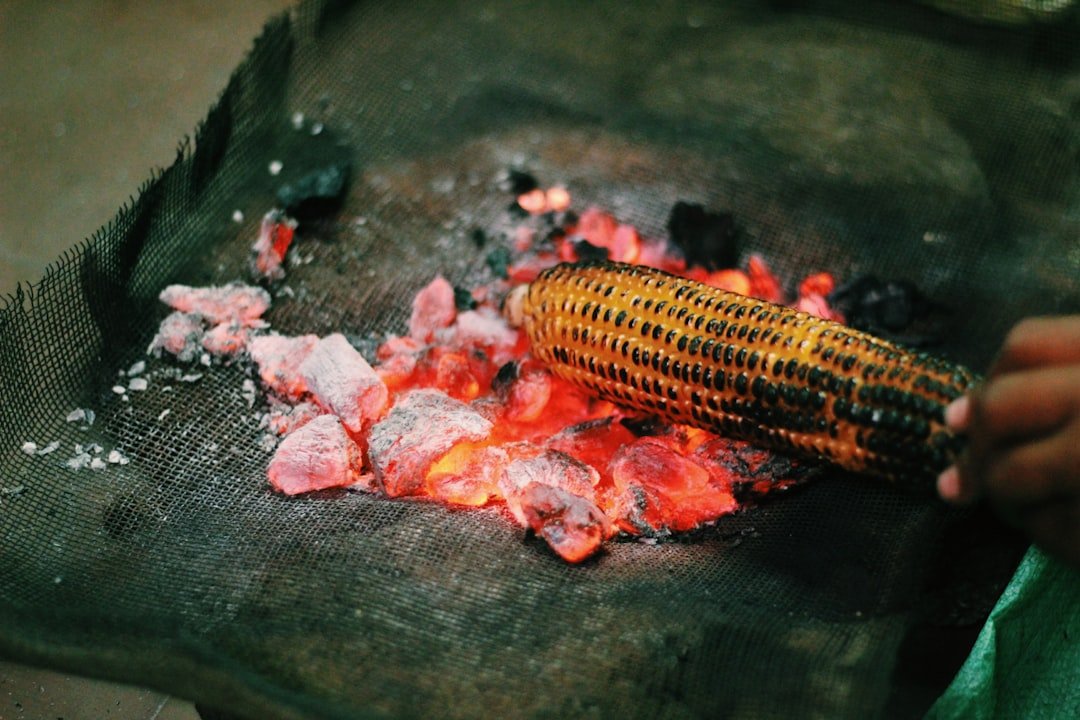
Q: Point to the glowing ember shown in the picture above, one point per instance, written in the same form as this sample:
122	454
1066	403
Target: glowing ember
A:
341	381
660	489
217	319
433	308
467	475
573	526
275	235
236	302
179	334
537	201
549	467
319	455
420	428
279	358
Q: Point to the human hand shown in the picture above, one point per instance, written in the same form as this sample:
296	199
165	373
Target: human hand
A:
1023	430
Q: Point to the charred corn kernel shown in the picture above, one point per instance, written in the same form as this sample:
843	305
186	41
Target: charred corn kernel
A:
741	367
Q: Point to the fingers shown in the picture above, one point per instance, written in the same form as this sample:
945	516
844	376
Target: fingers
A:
1039	342
1017	428
1030	473
1024	403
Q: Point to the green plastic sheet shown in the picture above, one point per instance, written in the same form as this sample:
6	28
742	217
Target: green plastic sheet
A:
1026	661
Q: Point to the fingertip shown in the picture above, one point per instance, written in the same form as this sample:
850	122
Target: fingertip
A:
948	485
958	413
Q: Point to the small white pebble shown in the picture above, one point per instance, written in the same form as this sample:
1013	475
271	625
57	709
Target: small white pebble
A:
76	415
317	128
191	377
204	359
119	389
237	216
137	368
97	464
89	415
275	167
29	447
138	384
297	120
163	414
51	447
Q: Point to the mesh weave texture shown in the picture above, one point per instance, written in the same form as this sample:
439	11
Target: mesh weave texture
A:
888	139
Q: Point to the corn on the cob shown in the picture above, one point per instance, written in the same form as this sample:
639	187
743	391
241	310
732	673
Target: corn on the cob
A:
741	367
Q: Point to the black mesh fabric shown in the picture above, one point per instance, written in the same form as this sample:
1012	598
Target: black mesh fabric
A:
869	137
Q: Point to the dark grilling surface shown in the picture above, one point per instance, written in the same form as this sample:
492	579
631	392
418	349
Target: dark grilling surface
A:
900	143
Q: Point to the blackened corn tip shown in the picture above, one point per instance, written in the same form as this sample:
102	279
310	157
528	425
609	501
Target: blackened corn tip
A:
690	353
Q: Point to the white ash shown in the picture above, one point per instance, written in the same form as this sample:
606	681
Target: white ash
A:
137	368
97	464
237	216
164	413
317	128
248	392
29	447
12	489
138	384
50	448
268	442
78	462
116	458
119	389
191	377
204	359
275	167
297	120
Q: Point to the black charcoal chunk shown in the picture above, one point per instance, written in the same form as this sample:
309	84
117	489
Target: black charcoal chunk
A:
872	304
706	238
504	378
479	237
499	261
587	251
316	194
520	182
463	299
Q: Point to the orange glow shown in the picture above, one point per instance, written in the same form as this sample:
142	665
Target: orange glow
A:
763	284
453	376
529	396
821	283
625	244
558	199
731	280
533	202
466	475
